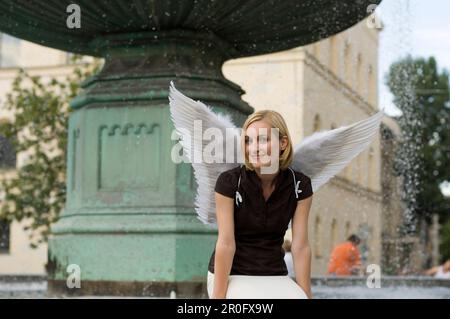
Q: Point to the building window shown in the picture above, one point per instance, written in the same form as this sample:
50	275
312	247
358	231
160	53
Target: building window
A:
333	55
317	123
7	154
361	169
317	236
348	228
370	171
348	64
371	90
359	82
4	236
333	239
316	50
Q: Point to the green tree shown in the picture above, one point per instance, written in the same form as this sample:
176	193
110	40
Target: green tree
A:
36	191
421	92
445	241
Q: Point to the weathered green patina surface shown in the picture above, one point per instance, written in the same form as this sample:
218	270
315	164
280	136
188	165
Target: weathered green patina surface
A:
251	27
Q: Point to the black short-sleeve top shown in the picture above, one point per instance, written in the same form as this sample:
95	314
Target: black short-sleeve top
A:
260	225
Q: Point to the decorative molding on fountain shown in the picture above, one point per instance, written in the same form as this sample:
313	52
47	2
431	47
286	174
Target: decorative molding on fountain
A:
113	145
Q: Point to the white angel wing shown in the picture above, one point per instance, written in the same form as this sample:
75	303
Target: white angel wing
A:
191	119
322	155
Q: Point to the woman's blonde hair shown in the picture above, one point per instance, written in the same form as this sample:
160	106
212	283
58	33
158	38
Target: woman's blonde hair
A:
275	120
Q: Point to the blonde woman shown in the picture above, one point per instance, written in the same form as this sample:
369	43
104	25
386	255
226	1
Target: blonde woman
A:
260	192
248	260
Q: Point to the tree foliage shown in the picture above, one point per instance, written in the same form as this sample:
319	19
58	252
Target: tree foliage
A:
421	92
35	190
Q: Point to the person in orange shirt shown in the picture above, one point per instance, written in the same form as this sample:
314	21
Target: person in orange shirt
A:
345	259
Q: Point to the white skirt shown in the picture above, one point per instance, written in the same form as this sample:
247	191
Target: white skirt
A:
259	287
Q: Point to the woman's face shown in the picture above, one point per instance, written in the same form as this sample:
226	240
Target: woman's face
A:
260	141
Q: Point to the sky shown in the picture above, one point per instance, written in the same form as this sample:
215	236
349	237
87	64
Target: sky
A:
419	27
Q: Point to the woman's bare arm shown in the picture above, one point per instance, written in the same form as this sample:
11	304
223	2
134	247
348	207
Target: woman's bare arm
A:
226	245
431	271
300	249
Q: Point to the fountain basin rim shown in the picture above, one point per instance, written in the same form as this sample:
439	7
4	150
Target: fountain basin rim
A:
259	28
102	45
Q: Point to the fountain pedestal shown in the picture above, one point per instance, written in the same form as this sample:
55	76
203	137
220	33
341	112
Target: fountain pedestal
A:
129	223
